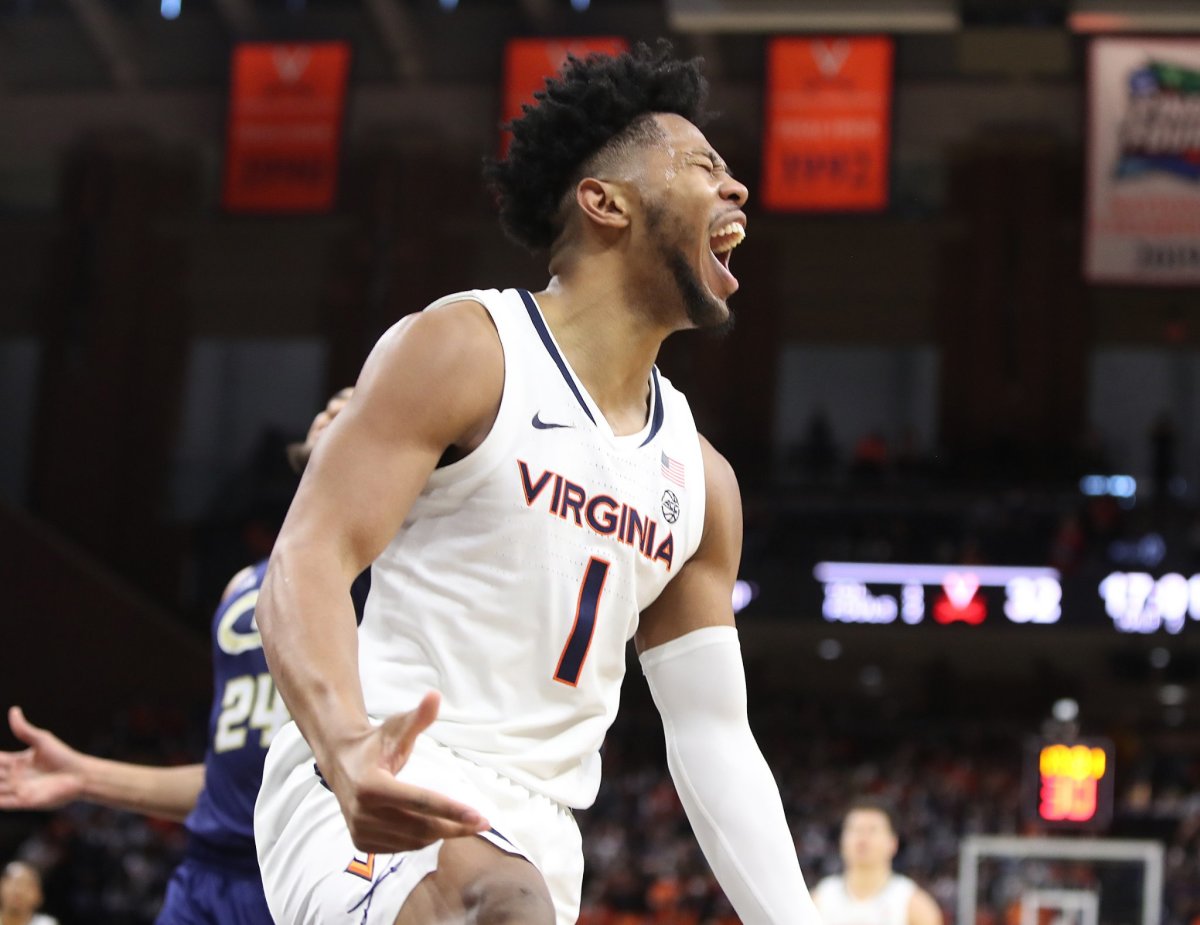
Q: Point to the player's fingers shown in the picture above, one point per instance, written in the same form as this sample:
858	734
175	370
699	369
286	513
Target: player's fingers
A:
13	763
16	795
397	826
22	728
24	799
16	789
397	799
426	712
396	829
400	731
430	829
404	833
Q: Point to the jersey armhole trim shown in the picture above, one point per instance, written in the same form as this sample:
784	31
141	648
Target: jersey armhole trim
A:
483	456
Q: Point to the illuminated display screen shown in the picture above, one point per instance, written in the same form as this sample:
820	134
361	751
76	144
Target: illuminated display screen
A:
1140	603
1069	784
865	592
907	594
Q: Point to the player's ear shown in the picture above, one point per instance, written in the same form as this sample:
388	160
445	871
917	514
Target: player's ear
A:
603	202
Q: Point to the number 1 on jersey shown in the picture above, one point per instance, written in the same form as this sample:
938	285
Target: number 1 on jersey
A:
570	663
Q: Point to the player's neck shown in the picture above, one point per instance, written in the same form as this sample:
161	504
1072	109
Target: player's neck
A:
865	882
610	344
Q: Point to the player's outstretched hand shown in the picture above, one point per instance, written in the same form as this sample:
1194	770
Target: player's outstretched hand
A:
387	815
47	775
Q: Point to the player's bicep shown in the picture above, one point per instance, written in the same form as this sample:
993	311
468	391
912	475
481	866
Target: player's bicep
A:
702	593
432	382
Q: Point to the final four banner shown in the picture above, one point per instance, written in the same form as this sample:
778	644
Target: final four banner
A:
1143	221
528	62
828	124
285	126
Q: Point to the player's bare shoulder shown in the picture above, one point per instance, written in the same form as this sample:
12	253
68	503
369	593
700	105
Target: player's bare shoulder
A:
722	540
449	360
456	336
923	909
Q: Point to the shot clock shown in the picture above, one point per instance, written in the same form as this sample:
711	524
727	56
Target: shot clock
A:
1068	783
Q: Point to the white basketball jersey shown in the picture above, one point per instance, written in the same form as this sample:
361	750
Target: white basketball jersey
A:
516	582
887	907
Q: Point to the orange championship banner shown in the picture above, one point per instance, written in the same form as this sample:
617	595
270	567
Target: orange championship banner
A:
286	107
528	62
828	124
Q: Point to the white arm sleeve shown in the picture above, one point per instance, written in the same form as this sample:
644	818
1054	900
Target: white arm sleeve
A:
731	799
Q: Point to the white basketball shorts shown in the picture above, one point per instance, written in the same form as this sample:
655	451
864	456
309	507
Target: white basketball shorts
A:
313	874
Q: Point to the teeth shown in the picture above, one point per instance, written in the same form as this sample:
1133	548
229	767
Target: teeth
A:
735	233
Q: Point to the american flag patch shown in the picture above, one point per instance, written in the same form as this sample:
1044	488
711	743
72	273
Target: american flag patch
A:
672	470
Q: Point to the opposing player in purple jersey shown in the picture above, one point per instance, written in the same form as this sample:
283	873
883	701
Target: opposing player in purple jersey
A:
218	882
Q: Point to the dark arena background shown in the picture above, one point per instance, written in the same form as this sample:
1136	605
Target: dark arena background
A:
962	399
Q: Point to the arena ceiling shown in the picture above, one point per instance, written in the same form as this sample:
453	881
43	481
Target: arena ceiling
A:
127	45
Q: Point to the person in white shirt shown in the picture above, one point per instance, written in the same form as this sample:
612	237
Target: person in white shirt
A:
868	891
21	896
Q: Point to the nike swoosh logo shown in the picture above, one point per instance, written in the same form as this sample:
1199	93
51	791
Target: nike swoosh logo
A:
542	425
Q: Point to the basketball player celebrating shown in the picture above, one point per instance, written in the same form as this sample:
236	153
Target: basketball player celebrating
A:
530	493
869	892
218	882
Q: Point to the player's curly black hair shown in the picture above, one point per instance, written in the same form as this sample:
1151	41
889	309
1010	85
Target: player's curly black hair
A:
591	104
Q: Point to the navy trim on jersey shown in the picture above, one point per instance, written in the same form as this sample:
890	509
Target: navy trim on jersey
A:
657	418
370	894
539	325
360	590
548	342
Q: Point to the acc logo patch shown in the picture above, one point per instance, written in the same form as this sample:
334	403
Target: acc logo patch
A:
670	506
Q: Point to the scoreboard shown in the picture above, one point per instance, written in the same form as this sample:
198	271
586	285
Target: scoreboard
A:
1139	602
1068	784
864	592
912	594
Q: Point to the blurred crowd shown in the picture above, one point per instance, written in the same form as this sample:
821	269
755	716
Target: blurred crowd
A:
945	781
881	498
1056	524
644	865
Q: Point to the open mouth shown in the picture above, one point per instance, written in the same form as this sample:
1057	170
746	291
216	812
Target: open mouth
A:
725	239
722	242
